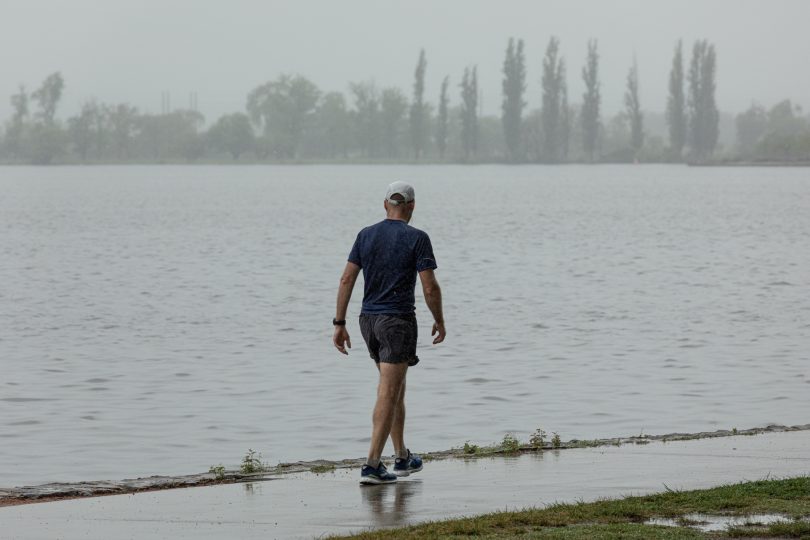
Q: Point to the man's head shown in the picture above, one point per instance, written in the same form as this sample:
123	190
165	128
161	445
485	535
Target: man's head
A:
399	201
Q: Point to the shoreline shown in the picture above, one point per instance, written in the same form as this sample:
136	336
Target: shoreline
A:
57	491
384	162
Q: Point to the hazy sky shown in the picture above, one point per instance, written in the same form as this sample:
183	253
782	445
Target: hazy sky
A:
132	50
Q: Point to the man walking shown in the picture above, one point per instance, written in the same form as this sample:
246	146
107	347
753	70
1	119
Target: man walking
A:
391	253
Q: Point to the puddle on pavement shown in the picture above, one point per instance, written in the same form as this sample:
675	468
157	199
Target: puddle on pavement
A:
709	523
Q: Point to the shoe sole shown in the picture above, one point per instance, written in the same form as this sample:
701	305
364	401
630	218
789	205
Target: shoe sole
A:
372	481
408	472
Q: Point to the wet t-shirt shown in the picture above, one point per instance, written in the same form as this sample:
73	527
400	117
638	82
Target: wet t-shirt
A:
391	253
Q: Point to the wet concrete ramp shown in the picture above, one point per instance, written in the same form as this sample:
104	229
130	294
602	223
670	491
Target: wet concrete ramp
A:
309	505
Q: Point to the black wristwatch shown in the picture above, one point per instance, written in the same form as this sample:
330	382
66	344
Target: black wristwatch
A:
336	322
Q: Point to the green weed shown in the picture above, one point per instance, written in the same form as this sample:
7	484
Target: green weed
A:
471	448
510	444
218	471
252	463
538	438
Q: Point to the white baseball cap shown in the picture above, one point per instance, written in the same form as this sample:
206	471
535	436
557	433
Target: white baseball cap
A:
399	188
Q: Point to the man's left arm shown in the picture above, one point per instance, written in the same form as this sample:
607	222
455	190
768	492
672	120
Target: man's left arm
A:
341	338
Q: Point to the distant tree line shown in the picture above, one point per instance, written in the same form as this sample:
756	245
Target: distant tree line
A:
289	119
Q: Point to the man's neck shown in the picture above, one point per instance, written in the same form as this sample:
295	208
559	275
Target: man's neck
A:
397	218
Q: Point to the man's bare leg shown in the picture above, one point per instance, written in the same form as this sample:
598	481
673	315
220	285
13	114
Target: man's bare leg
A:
392	378
398	426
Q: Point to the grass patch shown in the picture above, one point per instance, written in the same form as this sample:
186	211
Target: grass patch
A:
321	469
624	518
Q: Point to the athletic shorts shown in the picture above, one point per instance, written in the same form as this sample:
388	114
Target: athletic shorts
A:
390	338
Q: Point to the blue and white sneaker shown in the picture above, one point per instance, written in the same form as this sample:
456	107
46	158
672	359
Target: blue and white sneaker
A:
408	465
380	475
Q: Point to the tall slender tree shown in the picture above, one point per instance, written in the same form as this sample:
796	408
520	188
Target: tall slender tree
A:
514	87
709	105
566	118
676	105
590	101
703	114
469	112
632	102
553	90
442	119
418	109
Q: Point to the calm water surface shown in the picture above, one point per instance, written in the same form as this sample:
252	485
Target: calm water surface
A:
159	320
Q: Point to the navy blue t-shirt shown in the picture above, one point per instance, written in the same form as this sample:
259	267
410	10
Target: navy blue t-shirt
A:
391	253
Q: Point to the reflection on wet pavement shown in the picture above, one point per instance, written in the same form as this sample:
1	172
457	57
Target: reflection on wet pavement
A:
387	505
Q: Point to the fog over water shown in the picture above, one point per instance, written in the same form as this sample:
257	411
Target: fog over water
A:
160	320
128	51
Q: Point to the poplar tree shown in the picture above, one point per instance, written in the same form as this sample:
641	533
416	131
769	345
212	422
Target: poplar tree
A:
566	118
553	91
514	87
469	112
418	123
590	101
442	120
676	105
633	104
708	104
703	115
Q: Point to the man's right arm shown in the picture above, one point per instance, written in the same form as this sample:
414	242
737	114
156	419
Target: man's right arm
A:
433	299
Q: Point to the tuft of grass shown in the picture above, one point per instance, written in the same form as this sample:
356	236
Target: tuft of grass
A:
538	438
218	471
321	469
252	463
510	444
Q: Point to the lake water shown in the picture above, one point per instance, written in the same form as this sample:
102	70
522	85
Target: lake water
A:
160	320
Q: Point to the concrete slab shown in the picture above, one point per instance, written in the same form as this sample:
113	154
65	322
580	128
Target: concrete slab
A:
309	505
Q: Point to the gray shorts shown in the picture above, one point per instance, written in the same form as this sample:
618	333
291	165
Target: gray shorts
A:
390	338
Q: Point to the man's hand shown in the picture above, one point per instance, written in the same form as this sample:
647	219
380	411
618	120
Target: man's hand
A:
438	328
341	339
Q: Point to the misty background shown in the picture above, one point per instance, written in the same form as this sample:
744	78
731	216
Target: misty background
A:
127	51
329	83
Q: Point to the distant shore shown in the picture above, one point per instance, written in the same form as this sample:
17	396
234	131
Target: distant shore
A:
338	162
218	475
